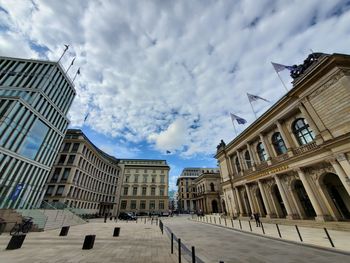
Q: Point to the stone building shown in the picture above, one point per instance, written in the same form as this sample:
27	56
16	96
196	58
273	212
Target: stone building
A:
35	97
145	186
293	161
208	190
84	177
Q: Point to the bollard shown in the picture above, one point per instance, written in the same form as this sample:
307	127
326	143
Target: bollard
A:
225	222
219	221
64	231
116	232
214	220
329	238
262	228
89	242
232	223
193	255
172	243
179	248
250	226
240	224
2	226
279	232
296	227
16	242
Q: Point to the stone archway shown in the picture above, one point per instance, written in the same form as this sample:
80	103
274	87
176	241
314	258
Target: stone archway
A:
214	206
303	199
336	194
278	201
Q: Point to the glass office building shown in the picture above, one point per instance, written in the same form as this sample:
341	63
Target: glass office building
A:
35	97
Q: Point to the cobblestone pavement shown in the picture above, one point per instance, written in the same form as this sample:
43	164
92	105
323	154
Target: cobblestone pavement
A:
138	242
214	244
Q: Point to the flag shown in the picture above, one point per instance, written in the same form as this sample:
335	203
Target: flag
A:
280	67
72	62
66	48
168	152
78	71
252	97
238	119
87	115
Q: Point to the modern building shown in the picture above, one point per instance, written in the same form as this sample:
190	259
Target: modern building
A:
186	191
293	161
207	192
84	177
145	186
35	97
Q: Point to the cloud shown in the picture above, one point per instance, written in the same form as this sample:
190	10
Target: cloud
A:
167	73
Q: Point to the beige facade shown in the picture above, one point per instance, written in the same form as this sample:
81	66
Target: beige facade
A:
84	177
145	186
293	161
207	192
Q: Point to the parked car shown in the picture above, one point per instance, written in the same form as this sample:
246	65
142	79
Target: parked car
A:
126	216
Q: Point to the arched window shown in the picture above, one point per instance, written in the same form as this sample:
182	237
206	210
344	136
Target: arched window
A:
212	187
238	166
302	131
278	143
261	152
248	161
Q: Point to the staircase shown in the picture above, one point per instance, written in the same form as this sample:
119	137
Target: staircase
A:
61	217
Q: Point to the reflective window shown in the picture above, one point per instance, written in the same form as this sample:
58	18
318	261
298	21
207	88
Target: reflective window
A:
66	147
248	161
34	139
302	131
261	152
278	143
60	190
238	166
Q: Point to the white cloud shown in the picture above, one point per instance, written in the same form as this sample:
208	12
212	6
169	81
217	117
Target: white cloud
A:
169	72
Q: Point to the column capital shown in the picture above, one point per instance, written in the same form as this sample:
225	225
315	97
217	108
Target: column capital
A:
298	170
341	157
332	160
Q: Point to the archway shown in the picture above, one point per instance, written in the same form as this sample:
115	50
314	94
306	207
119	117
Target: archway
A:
214	206
281	209
304	199
337	194
260	202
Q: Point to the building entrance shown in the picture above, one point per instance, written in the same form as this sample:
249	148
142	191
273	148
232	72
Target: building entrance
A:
304	199
261	204
214	206
281	209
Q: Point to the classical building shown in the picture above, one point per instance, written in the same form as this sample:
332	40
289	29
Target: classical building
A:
207	192
293	161
84	177
186	190
35	97
145	186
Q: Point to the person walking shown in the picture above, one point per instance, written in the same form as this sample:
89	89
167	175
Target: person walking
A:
257	219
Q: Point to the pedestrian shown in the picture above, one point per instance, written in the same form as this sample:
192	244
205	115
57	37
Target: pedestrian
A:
257	219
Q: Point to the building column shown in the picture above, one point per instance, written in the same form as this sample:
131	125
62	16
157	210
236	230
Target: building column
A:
239	201
263	195
233	206
267	150
240	162
285	138
252	157
341	174
311	195
344	163
250	199
284	197
314	128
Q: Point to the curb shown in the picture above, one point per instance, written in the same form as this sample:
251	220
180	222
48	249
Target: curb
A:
334	250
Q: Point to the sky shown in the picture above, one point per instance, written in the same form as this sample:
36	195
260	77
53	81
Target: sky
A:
160	76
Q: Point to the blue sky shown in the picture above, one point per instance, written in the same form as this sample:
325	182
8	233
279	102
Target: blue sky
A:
164	75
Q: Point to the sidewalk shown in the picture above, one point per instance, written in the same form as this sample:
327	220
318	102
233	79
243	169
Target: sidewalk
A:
312	236
138	242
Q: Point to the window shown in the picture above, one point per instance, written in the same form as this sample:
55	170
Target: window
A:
123	204
144	190
261	152
75	147
161	191
161	204
278	143
145	178
66	147
153	191
152	204
162	179
238	166
126	179
145	171
302	132
153	178
248	161
126	189
134	191
65	174
56	174
136	178
60	190
143	204
71	159
133	204
137	171
49	190
162	171
212	188
34	139
62	159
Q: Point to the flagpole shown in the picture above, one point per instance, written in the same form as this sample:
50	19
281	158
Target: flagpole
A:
251	105
284	85
64	51
76	73
71	64
234	127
